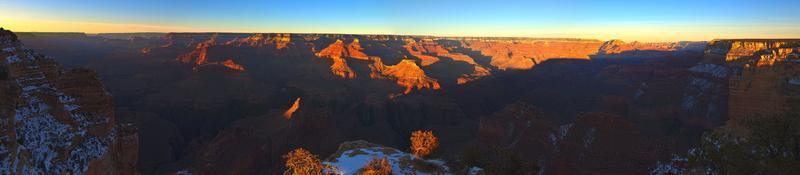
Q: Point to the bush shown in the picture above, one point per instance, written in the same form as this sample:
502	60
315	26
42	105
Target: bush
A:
303	162
377	167
423	143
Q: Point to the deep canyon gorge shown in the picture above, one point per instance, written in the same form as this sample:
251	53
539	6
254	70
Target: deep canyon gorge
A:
235	103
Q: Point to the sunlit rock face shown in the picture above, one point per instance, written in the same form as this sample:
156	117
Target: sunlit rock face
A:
55	121
232	65
763	75
337	52
620	47
419	51
199	55
429	51
525	53
276	40
406	74
290	111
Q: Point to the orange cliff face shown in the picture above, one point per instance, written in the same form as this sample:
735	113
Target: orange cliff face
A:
198	55
427	47
619	46
418	51
337	52
354	50
525	53
290	111
279	40
765	78
145	50
406	74
230	64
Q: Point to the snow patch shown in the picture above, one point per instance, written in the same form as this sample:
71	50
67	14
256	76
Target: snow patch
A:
671	167
351	161
713	69
475	171
589	138
12	59
559	135
688	102
9	49
44	137
794	81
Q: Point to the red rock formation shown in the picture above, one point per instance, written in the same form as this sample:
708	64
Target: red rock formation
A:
418	51
354	50
337	53
524	54
145	50
338	50
198	55
340	68
290	111
57	122
765	78
279	40
427	47
230	64
406	74
619	46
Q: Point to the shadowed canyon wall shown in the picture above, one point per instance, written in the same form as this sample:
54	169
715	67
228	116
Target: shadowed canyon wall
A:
58	121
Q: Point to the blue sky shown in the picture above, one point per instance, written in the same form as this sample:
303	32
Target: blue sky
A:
653	20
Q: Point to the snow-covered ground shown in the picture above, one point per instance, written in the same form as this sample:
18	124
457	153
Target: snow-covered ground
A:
350	161
41	137
718	71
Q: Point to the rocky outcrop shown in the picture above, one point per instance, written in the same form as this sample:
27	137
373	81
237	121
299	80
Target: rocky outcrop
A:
616	47
420	52
337	52
278	40
763	75
525	53
733	50
145	50
354	50
290	111
199	55
55	121
428	52
233	66
406	73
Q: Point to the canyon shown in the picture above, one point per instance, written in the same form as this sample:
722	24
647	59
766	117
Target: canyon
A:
230	103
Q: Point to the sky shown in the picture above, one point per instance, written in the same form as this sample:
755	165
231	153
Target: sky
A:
641	20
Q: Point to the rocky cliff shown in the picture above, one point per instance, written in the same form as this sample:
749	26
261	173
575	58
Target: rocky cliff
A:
620	47
55	121
276	40
525	53
764	75
337	52
406	74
